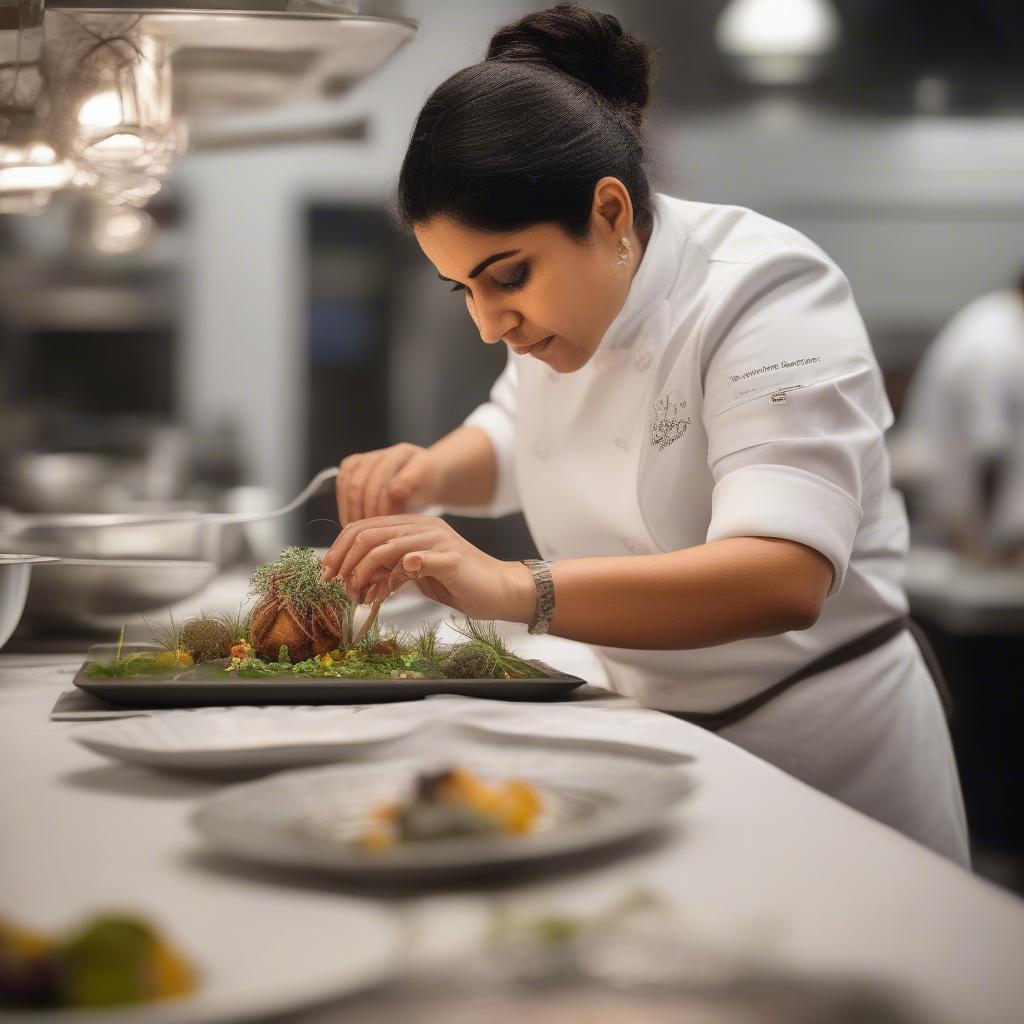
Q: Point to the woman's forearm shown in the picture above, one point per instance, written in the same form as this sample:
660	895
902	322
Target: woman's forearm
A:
468	467
698	597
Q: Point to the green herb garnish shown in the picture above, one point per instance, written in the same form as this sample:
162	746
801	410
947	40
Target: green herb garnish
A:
296	576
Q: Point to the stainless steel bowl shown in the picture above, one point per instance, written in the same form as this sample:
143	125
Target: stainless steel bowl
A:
15	573
103	593
70	481
100	535
206	537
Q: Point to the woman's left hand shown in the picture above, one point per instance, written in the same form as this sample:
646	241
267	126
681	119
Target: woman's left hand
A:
375	556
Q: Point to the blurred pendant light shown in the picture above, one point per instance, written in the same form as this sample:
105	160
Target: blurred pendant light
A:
102	98
777	42
111	89
30	169
116	230
30	173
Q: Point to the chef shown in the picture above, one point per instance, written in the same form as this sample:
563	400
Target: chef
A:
691	419
962	431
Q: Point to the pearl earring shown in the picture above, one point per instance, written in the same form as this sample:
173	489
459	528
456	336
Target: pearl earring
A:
625	251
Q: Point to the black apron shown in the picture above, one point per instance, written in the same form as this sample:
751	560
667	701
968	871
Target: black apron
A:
851	650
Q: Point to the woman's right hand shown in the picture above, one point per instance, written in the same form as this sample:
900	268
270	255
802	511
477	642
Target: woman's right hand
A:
387	481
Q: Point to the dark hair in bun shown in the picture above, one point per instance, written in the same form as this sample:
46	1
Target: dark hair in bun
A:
585	45
524	136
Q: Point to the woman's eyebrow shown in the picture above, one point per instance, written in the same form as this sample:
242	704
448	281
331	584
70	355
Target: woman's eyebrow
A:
484	264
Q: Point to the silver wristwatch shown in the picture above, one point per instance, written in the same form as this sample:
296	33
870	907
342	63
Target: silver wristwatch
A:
545	607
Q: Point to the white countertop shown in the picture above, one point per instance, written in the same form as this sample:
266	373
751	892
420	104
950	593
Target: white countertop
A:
759	865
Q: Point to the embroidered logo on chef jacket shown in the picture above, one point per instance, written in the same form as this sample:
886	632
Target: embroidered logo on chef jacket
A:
667	422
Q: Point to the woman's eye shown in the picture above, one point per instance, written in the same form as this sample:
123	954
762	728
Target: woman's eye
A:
517	280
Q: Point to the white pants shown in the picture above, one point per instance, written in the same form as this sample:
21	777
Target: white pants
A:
871	733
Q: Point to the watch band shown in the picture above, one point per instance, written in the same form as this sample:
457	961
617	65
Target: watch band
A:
545	607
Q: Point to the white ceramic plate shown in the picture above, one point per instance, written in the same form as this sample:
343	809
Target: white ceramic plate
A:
314	818
252	967
243	737
656	739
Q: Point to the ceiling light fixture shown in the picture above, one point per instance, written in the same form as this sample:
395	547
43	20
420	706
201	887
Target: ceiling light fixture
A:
777	42
112	90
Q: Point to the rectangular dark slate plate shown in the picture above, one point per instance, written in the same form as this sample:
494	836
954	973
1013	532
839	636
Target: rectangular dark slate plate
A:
200	687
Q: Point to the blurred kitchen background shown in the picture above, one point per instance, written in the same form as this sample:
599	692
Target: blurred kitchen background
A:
251	314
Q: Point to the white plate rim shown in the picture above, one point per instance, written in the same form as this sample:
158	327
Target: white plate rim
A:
508	730
640	814
101	738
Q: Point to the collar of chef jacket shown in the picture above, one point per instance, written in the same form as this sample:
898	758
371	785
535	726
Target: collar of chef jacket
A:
652	284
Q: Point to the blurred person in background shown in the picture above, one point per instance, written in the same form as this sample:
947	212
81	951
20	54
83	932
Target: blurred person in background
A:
961	439
691	418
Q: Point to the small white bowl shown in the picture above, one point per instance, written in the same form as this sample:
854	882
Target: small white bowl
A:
15	571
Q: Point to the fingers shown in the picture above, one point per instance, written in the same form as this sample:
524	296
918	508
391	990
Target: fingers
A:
332	561
382	586
339	553
354	477
430	568
349	486
376	483
382	556
341	489
384	468
409	484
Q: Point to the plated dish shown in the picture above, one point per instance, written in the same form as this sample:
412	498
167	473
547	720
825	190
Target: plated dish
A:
203	687
207	966
109	960
298	644
329	819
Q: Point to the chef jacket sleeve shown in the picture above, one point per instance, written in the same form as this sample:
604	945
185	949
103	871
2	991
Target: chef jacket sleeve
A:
794	407
497	419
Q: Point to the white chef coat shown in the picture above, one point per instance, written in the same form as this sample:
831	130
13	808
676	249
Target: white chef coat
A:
965	406
736	394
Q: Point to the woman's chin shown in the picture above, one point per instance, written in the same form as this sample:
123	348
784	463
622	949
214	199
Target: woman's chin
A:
552	359
563	358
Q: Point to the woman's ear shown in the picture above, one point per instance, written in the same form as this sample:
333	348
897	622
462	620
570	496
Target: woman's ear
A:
612	209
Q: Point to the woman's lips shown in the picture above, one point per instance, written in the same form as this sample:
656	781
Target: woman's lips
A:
522	349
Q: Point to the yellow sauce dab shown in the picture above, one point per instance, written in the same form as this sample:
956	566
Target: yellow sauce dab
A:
512	807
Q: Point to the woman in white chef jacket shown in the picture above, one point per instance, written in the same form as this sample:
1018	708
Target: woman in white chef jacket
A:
691	419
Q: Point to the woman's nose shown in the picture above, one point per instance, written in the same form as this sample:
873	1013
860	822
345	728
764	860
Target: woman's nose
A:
494	327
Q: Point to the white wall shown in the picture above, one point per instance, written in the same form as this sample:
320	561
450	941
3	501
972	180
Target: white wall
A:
923	214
